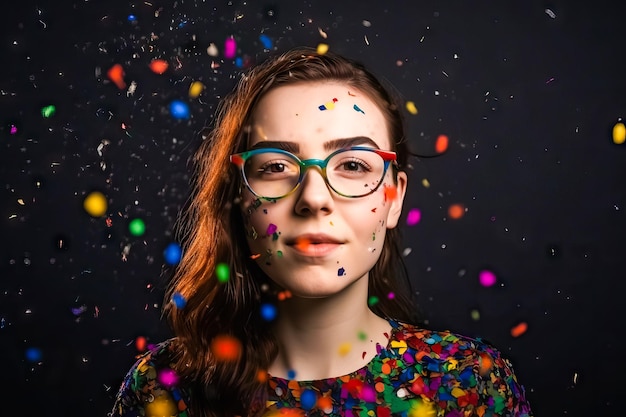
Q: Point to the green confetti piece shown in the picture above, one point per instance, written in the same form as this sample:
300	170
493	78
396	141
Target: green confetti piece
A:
223	272
362	335
137	227
372	300
48	111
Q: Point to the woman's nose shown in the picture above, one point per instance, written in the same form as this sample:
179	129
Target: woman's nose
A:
314	194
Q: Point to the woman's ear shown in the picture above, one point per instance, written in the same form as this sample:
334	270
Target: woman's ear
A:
396	204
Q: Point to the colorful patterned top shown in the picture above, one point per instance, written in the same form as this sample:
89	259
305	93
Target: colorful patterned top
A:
420	373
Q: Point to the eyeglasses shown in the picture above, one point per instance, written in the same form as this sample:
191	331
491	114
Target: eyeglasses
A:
351	172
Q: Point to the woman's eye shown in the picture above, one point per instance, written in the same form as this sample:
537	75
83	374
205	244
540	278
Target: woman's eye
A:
354	166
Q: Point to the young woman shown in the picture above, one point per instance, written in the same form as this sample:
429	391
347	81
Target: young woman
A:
291	296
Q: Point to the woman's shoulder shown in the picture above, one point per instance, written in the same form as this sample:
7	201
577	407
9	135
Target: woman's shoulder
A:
463	366
151	385
439	342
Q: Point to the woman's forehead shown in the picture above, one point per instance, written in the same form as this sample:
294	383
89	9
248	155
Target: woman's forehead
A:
317	112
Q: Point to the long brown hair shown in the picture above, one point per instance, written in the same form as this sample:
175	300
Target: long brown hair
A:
210	231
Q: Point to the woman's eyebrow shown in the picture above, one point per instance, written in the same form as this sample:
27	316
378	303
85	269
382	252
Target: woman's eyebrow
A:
331	145
291	147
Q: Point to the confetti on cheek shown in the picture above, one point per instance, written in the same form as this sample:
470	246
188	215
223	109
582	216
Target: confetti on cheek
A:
271	229
159	66
486	278
391	192
230	48
619	133
441	144
413	217
358	109
519	329
341	272
226	348
456	211
328	105
116	74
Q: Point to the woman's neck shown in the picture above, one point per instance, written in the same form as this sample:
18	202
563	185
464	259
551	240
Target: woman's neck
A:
327	337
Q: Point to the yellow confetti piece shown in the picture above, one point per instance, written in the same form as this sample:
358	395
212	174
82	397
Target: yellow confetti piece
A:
425	183
457	392
400	345
421	408
410	106
195	89
344	348
322	48
619	133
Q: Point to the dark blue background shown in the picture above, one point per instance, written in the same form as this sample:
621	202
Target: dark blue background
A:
528	101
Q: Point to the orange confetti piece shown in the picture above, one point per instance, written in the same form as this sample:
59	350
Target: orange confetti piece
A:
485	363
226	348
159	66
391	192
262	376
116	74
255	256
519	329
456	211
302	244
441	145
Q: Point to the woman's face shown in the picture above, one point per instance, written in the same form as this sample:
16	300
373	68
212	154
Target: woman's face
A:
315	242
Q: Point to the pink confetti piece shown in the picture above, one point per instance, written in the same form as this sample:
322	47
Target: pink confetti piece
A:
486	278
230	48
413	217
271	229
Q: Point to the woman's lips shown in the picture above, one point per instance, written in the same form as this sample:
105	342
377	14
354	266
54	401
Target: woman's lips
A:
314	245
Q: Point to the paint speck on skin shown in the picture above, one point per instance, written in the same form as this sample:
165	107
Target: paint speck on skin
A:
341	272
357	108
328	105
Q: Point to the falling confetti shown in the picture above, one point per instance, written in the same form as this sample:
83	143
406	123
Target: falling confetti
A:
410	106
456	211
179	109
141	343
619	133
195	89
391	192
222	271
486	278
441	144
226	348
137	227
322	48
178	300
33	354
159	66
266	41
95	204
268	311
230	48
48	111
172	253
116	74
519	329
413	217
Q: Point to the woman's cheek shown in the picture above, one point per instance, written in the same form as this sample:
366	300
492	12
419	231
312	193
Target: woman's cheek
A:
261	232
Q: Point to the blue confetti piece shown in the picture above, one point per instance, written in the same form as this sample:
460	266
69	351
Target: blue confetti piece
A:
266	41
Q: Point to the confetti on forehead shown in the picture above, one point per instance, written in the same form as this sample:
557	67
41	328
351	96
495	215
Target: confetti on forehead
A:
329	105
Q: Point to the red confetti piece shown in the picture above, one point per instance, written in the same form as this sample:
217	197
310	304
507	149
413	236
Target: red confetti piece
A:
116	74
391	192
441	145
159	66
226	348
456	211
519	329
141	343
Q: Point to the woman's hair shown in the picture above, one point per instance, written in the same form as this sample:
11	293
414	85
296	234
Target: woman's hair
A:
210	230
